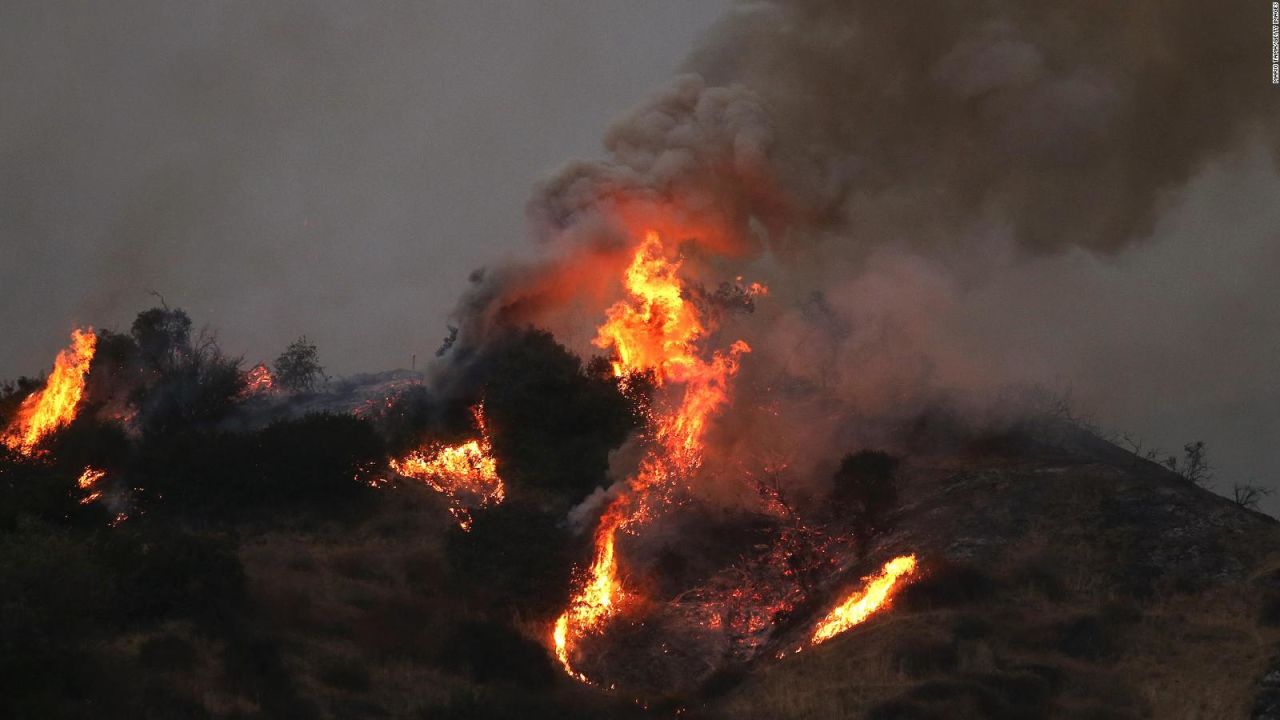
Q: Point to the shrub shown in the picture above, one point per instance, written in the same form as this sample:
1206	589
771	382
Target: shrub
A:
865	486
318	462
553	423
298	367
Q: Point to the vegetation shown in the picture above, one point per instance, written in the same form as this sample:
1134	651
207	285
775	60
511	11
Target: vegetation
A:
298	368
864	485
260	574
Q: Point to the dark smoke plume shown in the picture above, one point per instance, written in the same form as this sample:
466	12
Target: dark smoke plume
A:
905	178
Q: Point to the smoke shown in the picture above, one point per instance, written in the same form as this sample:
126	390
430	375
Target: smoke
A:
945	201
1067	124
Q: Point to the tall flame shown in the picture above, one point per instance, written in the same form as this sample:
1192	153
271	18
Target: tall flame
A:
656	331
466	474
54	406
860	605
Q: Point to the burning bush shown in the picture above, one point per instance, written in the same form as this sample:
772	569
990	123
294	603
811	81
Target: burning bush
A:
554	422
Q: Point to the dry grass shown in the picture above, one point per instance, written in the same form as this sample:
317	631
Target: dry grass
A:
359	612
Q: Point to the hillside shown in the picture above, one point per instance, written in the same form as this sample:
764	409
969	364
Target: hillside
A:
176	547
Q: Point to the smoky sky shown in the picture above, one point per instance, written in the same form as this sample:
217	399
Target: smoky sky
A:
329	168
1076	195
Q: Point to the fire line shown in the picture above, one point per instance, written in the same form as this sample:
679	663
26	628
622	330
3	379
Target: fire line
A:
55	405
658	332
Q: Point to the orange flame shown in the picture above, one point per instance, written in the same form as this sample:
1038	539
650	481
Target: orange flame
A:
466	474
860	605
54	406
258	381
87	480
655	330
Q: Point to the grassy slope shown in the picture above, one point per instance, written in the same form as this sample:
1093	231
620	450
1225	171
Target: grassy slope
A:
1086	584
1079	583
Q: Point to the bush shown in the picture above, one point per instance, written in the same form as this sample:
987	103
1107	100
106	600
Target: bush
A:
865	487
37	491
553	423
318	462
298	367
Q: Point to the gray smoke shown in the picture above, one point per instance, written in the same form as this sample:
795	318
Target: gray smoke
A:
947	201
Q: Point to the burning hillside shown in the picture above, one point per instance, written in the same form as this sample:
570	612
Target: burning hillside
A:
748	436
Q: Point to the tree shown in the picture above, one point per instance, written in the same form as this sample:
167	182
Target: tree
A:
163	336
298	367
1195	464
1248	496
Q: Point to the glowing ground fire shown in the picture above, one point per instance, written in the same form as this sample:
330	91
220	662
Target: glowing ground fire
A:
466	473
875	594
54	406
655	331
87	482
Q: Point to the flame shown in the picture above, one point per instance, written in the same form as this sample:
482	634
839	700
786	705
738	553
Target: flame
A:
87	480
860	605
54	406
655	330
466	474
258	381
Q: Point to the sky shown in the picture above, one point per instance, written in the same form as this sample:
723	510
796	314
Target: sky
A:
289	168
337	169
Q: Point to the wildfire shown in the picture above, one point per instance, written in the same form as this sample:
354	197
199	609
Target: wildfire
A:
657	331
466	473
54	406
859	606
86	482
258	381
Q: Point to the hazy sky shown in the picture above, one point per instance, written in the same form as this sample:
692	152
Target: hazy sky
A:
279	168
